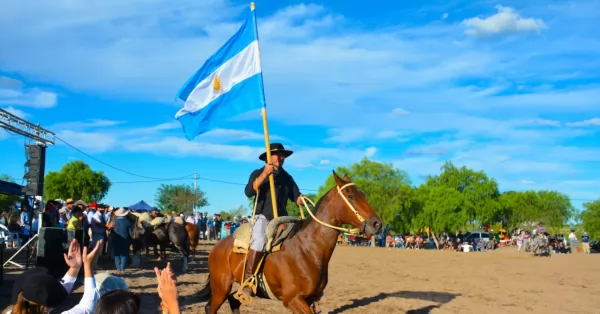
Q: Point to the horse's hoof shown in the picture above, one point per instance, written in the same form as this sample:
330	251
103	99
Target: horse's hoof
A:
315	308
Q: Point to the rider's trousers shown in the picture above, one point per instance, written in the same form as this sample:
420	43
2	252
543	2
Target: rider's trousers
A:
258	240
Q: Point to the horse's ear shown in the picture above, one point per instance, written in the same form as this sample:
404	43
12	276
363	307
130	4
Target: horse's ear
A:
347	178
337	178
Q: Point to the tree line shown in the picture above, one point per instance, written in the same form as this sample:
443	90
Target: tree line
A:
456	198
459	198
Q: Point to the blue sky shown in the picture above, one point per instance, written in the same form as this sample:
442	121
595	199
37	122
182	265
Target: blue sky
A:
512	88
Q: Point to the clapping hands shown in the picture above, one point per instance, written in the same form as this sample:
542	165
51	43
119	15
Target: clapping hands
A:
167	289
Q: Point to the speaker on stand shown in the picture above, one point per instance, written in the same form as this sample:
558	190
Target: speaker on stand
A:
52	244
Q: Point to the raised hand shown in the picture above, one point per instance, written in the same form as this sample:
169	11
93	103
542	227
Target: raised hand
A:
167	289
88	258
73	256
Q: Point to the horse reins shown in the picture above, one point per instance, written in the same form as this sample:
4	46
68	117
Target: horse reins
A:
353	231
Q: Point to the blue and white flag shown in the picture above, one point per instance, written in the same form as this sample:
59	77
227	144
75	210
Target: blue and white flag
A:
228	84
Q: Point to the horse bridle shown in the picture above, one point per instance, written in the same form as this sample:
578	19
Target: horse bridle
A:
356	213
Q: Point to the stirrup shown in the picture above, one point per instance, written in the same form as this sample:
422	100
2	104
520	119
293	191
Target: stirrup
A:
241	296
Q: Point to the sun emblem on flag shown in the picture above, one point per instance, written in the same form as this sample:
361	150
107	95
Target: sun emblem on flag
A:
217	84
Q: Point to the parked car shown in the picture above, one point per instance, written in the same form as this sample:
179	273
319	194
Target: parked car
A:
476	235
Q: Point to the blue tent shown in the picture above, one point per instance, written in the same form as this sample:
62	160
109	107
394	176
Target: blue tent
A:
10	188
141	205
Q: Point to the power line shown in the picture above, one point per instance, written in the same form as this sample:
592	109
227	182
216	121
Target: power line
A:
116	168
151	179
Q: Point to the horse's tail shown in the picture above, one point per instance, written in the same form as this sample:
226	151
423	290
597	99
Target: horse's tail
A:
205	293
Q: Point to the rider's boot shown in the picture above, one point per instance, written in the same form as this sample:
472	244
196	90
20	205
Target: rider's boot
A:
251	263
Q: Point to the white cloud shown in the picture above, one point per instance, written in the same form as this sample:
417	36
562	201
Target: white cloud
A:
32	97
19	113
157	140
545	122
370	152
388	134
89	142
400	112
10	83
98	124
590	122
154	129
527	182
548	167
238	135
506	21
346	135
319	71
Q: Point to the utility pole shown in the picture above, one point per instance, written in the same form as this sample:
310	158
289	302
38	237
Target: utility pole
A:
195	188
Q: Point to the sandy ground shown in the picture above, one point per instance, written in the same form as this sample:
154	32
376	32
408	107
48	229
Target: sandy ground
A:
376	280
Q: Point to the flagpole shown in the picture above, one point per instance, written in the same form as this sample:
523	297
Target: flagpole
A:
264	120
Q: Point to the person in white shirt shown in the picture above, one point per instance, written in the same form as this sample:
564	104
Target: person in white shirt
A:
36	291
573	243
98	225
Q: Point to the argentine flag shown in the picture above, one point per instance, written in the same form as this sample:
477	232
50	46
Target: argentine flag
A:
228	84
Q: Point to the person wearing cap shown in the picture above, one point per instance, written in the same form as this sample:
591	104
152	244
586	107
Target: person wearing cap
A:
75	225
69	206
259	188
585	240
62	218
36	291
50	217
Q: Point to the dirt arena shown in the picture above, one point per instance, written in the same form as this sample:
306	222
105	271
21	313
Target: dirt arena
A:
376	280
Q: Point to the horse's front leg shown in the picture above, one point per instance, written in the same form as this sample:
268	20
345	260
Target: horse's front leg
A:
298	305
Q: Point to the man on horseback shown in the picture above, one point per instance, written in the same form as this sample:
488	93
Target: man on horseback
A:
154	213
258	187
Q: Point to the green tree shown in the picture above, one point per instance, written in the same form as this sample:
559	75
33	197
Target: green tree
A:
591	219
293	209
387	189
529	207
78	181
180	198
239	211
8	200
440	208
478	193
518	209
554	208
235	212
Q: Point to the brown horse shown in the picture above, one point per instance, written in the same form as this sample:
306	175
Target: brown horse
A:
298	273
194	235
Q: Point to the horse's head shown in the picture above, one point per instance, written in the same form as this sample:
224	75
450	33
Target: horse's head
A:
355	210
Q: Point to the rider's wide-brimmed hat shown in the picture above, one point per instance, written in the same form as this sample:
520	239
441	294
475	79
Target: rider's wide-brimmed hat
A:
276	147
80	202
121	212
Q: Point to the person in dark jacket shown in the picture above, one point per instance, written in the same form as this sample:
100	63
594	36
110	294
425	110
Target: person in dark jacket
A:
122	231
259	188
